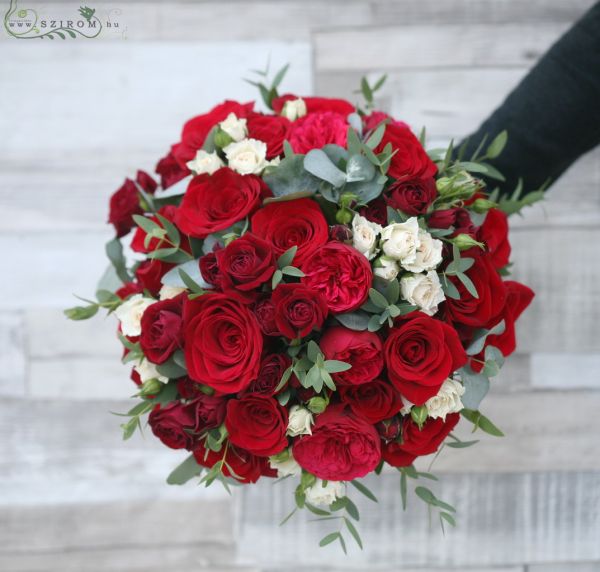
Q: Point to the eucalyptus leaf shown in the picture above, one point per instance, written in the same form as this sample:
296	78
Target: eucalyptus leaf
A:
354	320
359	168
476	387
319	164
185	471
192	269
291	177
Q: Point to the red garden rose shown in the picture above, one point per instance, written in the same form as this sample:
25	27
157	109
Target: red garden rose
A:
494	233
264	310
214	202
316	130
292	223
245	467
272	368
374	401
272	129
173	424
341	273
362	350
162	329
150	272
244	265
223	342
420	354
124	203
376	211
298	310
257	424
491	294
316	104
459	218
411	160
170	171
197	129
209	268
418	442
342	446
412	196
208	411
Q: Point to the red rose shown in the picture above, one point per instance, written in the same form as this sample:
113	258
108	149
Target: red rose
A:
209	268
162	329
223	342
257	424
362	350
412	196
420	354
150	272
208	411
376	211
491	295
316	130
170	171
340	233
172	424
197	129
316	104
124	203
298	310
342	446
458	218
411	160
247	468
372	120
494	233
264	310
244	265
272	129
139	237
214	202
417	442
128	289
292	223
271	371
341	273
374	401
144	180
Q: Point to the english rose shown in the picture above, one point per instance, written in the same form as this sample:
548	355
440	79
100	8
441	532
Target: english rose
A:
235	127
341	274
446	401
162	329
316	130
172	424
300	421
294	109
420	353
215	202
130	313
494	233
361	349
365	235
272	368
375	211
209	268
223	342
244	265
272	129
257	424
413	197
400	241
374	401
264	310
324	493
423	291
205	162
208	410
247	157
428	255
150	272
298	223
386	268
342	446
298	310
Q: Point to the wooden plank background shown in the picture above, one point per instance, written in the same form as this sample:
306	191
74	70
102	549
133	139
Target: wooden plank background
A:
77	117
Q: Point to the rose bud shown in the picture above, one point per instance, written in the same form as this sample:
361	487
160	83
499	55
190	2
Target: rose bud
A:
483	205
419	414
340	232
389	429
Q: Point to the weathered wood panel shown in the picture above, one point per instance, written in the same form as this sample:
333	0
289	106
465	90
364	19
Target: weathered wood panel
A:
565	371
13	358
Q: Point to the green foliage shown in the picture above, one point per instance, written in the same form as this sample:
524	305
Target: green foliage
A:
268	91
114	251
185	471
480	421
368	91
383	304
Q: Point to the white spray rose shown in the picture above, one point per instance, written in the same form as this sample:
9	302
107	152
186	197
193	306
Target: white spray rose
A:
423	290
234	127
406	405
247	157
429	253
401	240
130	312
364	235
447	400
147	370
167	292
300	421
318	494
288	467
386	268
205	163
294	109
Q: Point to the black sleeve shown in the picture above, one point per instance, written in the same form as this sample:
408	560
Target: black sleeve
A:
553	115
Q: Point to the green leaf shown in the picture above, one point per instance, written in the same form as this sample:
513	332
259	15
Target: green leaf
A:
352	509
290	177
461	444
317	511
146	224
317	163
288	517
364	490
171	369
497	145
114	251
189	282
313	351
476	386
279	76
171	229
292	271
352	529
332	537
354	143
336	366
354	320
277	278
425	495
287	257
403	489
480	337
468	284
284	379
378	298
81	312
359	168
374	324
185	471
448	518
376	136
366	90
481	422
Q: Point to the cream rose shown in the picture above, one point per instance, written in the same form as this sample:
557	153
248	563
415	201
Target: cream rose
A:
401	240
167	292
147	370
423	290
447	400
294	109
247	157
205	163
364	236
285	464
234	127
429	253
130	312
318	494
386	268
300	421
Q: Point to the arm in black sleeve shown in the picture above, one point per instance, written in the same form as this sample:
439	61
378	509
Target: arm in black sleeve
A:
553	115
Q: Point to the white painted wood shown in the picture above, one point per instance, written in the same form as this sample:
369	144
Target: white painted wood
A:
565	371
503	520
13	358
565	567
401	47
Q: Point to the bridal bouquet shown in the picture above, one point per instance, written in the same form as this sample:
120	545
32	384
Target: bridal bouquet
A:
313	296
